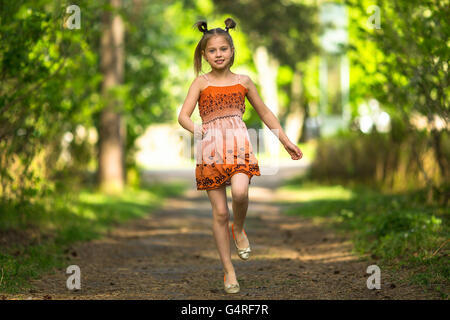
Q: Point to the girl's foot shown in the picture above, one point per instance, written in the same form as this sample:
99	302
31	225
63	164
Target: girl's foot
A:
230	278
230	283
241	240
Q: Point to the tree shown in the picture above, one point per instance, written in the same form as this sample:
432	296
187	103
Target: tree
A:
407	70
281	33
111	130
46	86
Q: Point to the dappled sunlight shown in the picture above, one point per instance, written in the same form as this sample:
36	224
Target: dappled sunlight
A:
300	193
291	226
329	252
178	204
260	194
86	213
332	253
151	233
331	257
112	140
261	252
305	194
195	194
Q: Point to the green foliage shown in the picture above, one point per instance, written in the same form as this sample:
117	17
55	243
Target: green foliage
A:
51	82
43	91
285	28
62	219
402	61
395	230
385	160
153	47
404	65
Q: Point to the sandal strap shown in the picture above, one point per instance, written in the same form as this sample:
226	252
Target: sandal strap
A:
246	250
229	286
234	238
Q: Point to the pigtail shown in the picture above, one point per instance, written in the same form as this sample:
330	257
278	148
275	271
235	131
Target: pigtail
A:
229	24
202	26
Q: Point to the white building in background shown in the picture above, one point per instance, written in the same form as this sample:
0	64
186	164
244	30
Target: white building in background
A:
334	81
164	146
334	70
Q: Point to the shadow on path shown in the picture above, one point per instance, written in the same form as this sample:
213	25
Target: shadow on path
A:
171	254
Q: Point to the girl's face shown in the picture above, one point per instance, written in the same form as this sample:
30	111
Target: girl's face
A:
218	52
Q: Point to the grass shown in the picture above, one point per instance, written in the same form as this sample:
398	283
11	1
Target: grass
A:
399	231
39	234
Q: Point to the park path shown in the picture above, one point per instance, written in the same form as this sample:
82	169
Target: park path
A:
171	254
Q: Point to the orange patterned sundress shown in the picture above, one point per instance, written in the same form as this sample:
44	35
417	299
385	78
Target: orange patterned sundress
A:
225	148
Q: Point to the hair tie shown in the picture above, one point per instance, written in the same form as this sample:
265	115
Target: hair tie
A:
226	29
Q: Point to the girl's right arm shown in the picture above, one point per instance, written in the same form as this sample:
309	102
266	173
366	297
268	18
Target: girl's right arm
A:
184	118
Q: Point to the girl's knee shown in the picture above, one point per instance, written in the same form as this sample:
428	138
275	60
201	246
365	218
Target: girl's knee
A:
240	196
222	215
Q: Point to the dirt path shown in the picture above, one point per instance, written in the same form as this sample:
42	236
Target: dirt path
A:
171	255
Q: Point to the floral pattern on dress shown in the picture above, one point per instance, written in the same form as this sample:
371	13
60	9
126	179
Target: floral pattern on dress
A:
218	157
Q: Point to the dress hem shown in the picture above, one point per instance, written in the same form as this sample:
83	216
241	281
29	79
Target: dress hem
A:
224	183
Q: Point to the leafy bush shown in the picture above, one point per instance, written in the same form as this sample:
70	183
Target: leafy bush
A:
385	160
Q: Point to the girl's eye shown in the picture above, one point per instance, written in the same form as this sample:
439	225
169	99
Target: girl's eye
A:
212	50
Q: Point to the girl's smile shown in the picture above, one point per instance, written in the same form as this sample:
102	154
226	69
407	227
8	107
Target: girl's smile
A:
218	52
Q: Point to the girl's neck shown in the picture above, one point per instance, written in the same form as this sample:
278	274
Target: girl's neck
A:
221	74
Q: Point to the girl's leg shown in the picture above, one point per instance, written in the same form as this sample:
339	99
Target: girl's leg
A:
239	192
221	217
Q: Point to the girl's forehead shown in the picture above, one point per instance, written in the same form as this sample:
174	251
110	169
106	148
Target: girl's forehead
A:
217	41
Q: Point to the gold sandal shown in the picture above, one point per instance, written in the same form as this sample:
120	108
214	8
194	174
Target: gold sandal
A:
231	288
244	254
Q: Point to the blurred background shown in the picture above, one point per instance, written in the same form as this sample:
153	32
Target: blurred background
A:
90	96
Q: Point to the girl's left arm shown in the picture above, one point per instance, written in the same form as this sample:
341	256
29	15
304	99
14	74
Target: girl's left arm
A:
270	119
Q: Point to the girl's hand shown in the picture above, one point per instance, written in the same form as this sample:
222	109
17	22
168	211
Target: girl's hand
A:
293	150
198	131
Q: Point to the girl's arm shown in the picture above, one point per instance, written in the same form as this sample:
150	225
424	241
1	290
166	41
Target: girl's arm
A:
269	118
184	118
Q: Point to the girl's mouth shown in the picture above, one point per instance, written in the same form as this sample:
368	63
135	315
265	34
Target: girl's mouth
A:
219	61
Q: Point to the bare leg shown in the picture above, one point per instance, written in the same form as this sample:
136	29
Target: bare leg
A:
239	191
221	217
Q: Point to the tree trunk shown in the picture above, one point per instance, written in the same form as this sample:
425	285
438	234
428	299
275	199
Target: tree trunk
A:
296	116
437	146
111	138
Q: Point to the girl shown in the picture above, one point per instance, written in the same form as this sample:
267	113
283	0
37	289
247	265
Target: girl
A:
221	98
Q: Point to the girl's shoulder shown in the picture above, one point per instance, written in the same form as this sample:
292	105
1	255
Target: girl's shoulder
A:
245	80
199	83
200	79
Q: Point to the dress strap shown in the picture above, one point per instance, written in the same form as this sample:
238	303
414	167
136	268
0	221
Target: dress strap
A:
239	78
206	78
